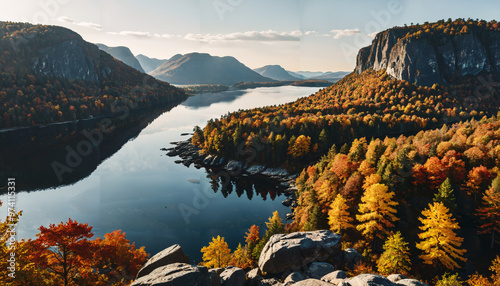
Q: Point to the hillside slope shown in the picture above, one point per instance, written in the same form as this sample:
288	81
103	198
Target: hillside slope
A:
196	68
123	54
50	74
370	104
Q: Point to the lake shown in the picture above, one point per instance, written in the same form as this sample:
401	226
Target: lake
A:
142	191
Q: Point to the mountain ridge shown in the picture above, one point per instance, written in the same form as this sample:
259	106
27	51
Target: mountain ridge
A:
149	64
123	54
275	72
202	68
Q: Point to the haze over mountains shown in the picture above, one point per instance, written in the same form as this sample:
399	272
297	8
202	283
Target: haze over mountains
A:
199	68
275	72
123	54
149	64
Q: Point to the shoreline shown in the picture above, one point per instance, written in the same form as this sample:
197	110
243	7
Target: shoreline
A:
191	155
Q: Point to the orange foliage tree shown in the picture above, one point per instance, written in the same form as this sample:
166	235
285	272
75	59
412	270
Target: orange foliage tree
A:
66	251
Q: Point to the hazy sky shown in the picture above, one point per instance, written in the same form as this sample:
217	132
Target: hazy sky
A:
314	35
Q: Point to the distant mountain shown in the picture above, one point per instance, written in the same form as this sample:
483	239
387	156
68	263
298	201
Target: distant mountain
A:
123	54
294	74
149	64
332	76
197	68
275	72
309	74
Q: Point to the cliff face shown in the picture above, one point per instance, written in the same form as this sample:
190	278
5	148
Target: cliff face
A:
67	60
425	61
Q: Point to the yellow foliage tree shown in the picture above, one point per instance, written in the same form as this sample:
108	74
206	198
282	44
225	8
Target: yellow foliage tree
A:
301	146
396	256
339	218
439	242
216	254
377	212
241	257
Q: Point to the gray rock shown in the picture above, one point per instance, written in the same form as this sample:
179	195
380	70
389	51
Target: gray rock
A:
275	172
410	282
312	282
255	169
215	276
234	166
334	277
319	269
294	277
369	280
350	257
232	276
396	277
253	277
169	255
425	61
176	274
208	160
67	60
270	282
296	250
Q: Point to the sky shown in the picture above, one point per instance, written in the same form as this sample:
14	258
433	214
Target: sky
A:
299	35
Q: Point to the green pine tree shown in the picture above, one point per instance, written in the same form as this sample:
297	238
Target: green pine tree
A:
445	195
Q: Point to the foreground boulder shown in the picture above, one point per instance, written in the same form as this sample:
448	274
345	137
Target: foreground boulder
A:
319	269
369	280
232	276
334	277
297	250
172	254
312	282
176	274
410	282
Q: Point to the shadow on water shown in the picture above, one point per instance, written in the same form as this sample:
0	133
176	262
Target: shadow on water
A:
250	186
34	166
207	99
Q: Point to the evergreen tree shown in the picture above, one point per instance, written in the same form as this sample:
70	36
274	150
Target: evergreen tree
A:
445	195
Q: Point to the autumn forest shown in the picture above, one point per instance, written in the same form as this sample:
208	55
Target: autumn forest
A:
407	174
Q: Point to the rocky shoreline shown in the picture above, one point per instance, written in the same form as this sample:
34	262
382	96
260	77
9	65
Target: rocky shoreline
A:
312	258
191	155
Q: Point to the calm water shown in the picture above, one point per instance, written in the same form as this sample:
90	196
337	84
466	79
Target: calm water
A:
141	191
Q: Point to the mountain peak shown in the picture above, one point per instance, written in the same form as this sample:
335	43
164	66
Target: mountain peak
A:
275	72
203	68
123	54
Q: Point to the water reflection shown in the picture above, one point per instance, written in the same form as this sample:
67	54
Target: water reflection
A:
248	185
207	99
34	170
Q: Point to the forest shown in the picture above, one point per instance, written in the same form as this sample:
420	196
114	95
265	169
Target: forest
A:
371	104
422	205
407	174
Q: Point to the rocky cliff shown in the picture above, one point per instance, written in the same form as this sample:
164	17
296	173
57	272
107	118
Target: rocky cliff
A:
67	59
430	58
